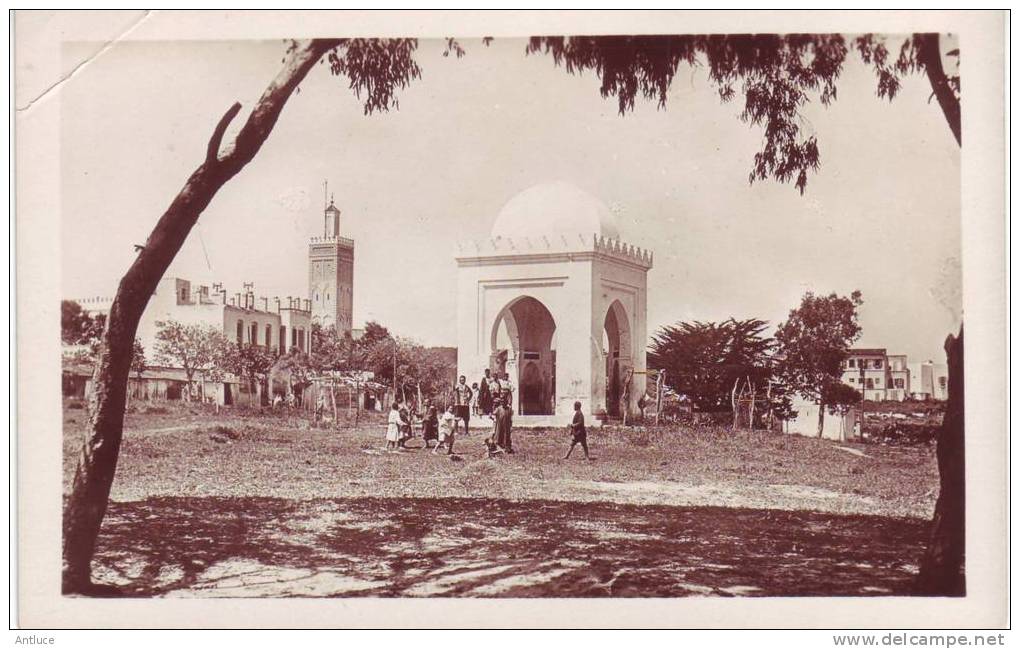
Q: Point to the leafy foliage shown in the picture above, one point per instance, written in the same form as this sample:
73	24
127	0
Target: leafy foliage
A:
77	326
840	397
377	351
138	361
246	361
704	359
813	343
376	68
192	347
778	74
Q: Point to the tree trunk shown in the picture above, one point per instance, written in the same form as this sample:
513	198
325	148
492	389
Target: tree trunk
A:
942	567
821	418
85	506
930	55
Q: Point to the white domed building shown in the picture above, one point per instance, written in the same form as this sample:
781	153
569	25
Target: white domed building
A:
555	299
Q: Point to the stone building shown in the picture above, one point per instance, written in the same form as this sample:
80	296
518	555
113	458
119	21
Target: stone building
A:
555	299
880	376
331	275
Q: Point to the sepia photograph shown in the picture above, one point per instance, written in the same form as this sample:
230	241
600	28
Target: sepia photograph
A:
554	315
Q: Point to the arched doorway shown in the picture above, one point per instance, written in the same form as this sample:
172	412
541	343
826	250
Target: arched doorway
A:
523	346
616	349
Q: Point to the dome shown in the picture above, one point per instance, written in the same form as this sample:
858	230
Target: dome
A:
554	208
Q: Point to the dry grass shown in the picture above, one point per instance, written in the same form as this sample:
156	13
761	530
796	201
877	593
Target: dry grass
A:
190	451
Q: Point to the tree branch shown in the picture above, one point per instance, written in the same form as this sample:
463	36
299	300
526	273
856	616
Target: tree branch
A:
930	56
213	149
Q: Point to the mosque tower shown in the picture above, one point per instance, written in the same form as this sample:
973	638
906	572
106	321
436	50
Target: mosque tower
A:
331	274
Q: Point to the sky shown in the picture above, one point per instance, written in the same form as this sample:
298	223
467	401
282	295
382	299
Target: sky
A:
882	214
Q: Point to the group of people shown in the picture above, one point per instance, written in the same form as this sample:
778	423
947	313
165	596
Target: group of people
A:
492	398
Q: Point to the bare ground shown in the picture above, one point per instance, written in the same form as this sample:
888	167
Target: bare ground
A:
233	505
382	547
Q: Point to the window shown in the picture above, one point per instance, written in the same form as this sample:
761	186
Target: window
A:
254	334
869	384
851	363
898	383
942	382
240	332
283	339
878	383
269	336
852	380
877	363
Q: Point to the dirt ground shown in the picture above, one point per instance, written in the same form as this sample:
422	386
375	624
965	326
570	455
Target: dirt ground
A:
232	505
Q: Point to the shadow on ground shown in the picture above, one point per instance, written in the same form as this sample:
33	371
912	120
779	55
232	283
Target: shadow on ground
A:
382	547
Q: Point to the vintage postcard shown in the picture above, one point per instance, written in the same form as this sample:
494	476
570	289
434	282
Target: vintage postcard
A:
523	319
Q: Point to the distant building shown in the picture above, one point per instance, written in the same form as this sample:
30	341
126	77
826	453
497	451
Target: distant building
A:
279	324
889	377
867	370
929	380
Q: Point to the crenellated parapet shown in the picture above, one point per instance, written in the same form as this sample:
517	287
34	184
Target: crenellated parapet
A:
617	248
343	241
553	244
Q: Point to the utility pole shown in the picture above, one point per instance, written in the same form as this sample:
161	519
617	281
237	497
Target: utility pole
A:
864	393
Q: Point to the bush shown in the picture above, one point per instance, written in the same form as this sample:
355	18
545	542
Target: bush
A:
223	434
905	433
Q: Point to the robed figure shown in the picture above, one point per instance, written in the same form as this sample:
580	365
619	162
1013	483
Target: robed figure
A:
485	394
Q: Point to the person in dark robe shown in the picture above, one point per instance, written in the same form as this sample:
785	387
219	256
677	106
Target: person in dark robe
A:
503	424
430	424
484	395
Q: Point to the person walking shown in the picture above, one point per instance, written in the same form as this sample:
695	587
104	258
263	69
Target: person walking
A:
462	403
578	432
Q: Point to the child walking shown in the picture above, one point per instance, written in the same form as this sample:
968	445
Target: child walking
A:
580	435
393	427
447	425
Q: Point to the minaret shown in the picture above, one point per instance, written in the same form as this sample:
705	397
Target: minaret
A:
331	274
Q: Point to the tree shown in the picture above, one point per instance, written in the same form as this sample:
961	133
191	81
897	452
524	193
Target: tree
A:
777	72
703	359
813	344
190	347
375	68
840	397
75	322
249	362
297	367
779	75
138	361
